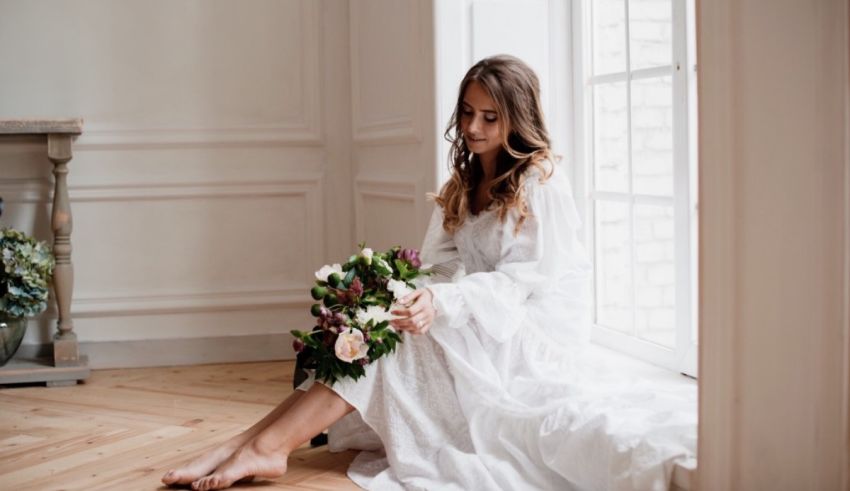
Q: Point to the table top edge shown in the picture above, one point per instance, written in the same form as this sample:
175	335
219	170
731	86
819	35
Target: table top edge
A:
41	126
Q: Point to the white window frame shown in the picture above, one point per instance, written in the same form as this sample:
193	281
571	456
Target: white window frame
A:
683	358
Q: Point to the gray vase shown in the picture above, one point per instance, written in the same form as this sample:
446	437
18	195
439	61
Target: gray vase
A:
12	330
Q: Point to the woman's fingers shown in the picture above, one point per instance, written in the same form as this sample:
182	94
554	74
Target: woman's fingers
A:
411	296
416	317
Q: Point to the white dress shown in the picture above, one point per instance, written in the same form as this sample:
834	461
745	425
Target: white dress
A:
499	394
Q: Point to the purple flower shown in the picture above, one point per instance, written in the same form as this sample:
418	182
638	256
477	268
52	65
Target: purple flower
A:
363	361
411	256
298	345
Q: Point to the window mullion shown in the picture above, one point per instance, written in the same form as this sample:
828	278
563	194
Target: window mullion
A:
652	72
682	187
643	199
608	78
630	171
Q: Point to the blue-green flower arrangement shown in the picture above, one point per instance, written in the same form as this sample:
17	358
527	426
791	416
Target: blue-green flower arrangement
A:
27	268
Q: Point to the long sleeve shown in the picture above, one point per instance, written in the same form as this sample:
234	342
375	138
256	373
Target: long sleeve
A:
541	260
439	249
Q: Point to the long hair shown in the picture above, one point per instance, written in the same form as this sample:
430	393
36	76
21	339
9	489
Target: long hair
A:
515	90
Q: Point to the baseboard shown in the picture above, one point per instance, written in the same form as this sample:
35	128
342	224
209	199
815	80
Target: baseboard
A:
174	352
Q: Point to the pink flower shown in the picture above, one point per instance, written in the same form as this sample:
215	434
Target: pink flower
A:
411	256
351	346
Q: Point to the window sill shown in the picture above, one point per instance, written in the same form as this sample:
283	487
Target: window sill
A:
684	472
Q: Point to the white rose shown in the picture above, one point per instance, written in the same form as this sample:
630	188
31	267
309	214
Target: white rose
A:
399	289
374	313
323	273
350	345
367	253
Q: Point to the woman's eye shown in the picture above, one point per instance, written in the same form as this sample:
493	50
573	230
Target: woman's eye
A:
490	119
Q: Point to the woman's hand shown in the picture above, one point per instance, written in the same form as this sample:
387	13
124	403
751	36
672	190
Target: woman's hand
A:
417	312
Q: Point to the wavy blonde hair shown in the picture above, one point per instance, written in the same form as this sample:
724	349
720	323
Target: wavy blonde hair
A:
515	90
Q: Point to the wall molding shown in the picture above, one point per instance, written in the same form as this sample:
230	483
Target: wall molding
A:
183	302
309	186
307	131
396	189
394	129
34	190
178	351
108	137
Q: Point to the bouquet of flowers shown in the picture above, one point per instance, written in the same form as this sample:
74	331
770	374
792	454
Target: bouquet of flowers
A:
352	321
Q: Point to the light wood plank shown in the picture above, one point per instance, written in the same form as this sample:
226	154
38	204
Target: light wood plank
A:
123	429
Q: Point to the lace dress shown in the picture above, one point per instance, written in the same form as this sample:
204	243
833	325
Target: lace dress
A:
499	394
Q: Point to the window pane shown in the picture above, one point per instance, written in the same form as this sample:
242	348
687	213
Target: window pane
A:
650	33
652	136
608	26
610	137
613	266
655	275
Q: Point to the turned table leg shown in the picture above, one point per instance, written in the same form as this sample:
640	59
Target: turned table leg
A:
65	352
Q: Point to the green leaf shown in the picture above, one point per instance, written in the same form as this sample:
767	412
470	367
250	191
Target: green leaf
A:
349	277
401	266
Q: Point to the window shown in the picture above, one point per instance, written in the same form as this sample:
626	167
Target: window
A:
636	94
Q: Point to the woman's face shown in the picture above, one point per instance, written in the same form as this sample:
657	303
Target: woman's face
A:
480	123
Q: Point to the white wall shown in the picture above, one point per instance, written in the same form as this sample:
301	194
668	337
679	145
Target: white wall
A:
213	175
774	197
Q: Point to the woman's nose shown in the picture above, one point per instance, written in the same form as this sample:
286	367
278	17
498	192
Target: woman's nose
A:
474	125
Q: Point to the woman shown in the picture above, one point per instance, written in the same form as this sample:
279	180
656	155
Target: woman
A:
486	391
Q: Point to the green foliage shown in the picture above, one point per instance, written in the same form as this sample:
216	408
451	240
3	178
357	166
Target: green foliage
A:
26	274
349	277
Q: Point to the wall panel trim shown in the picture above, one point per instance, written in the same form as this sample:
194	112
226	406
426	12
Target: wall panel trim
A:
398	189
100	306
393	129
306	131
179	351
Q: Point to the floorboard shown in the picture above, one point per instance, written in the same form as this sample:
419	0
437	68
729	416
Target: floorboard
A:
123	429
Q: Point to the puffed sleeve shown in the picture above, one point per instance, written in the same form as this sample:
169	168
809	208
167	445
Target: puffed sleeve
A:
439	250
543	257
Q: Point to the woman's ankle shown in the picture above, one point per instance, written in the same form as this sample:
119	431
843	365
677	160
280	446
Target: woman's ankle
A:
236	442
265	444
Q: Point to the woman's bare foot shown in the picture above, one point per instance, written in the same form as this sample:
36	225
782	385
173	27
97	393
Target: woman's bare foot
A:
201	466
249	461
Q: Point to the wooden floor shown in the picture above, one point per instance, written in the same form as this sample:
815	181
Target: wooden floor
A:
122	429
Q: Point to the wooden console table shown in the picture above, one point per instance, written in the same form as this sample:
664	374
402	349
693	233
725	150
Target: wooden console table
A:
67	365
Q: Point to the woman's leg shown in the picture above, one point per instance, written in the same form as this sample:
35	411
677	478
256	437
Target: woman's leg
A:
265	455
211	459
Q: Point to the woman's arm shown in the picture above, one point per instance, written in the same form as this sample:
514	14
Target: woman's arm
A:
544	254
